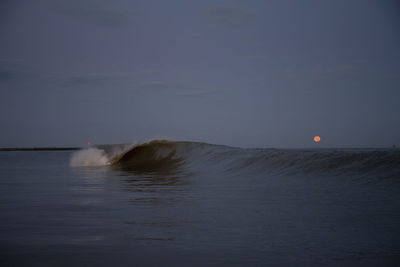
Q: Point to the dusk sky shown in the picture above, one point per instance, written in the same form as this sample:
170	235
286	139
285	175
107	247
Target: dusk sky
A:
242	73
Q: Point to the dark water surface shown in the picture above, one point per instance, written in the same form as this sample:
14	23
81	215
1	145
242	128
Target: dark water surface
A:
217	206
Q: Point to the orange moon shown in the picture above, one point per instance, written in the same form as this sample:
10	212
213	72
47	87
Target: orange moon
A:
317	138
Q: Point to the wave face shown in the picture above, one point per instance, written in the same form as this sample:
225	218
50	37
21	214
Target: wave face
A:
161	156
153	157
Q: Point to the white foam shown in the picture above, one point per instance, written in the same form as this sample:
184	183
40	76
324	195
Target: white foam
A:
89	157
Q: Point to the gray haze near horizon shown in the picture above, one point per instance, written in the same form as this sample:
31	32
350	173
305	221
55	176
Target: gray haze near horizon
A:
242	73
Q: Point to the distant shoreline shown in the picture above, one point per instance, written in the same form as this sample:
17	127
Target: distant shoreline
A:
38	148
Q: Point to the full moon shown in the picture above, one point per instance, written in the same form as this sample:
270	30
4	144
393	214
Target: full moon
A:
317	138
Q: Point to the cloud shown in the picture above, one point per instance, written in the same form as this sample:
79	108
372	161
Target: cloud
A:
202	93
8	74
21	76
155	85
232	17
90	11
86	80
11	72
128	81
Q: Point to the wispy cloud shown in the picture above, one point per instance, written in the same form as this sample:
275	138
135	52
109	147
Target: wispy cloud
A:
7	74
154	85
90	11
202	93
86	80
129	82
11	72
232	17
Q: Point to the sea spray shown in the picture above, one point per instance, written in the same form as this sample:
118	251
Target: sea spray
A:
99	155
89	157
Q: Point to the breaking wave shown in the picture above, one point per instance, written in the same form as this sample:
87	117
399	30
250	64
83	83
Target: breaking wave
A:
161	156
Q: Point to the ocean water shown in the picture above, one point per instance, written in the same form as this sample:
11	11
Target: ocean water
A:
170	203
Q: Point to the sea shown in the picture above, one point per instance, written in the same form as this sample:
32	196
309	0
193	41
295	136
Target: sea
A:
170	203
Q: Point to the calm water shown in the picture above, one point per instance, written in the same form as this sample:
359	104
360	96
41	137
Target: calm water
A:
221	206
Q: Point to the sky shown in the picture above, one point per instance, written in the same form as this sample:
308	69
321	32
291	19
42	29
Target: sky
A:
242	73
